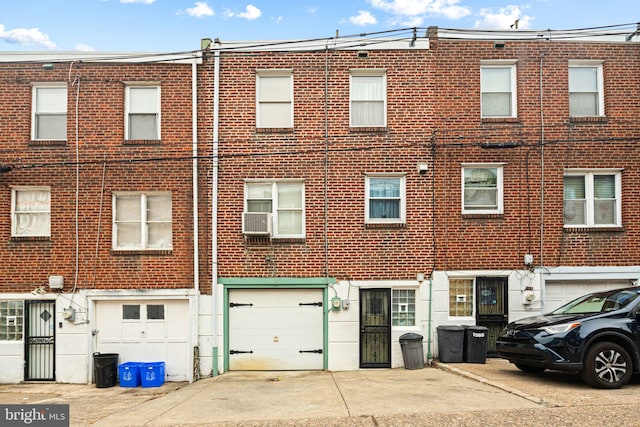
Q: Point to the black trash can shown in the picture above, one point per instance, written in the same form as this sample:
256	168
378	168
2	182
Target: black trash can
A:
475	344
450	343
412	351
105	369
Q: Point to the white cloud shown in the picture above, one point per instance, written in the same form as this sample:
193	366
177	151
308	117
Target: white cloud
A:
250	13
81	47
503	18
137	1
26	37
414	12
364	17
200	9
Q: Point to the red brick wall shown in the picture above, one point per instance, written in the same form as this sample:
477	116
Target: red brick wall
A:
164	167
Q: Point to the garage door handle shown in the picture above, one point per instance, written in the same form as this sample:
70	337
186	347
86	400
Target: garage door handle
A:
311	351
237	304
317	304
239	352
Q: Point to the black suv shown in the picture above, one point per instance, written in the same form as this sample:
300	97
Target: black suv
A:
597	335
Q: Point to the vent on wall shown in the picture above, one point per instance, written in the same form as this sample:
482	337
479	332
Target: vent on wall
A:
256	223
56	282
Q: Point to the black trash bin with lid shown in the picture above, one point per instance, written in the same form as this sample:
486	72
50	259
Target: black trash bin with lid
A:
105	369
412	351
475	344
450	343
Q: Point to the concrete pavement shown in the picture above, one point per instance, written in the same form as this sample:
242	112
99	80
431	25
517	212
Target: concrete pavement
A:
495	393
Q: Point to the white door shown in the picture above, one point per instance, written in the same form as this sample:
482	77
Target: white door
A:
146	331
276	329
559	292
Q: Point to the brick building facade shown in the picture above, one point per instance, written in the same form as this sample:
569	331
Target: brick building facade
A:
304	205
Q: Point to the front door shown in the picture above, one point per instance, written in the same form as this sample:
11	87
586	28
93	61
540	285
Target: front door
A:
375	328
40	349
491	308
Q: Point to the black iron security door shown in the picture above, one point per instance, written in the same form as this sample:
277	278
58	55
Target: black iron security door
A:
492	308
375	328
40	347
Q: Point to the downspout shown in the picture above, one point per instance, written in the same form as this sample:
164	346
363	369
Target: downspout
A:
214	206
196	251
194	156
542	142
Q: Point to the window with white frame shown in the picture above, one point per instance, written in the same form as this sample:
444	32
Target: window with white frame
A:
385	199
586	96
142	112
461	301
368	97
482	191
592	199
498	90
274	94
49	120
31	212
142	221
284	200
403	307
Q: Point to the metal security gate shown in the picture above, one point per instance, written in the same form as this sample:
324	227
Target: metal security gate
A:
492	308
375	328
40	348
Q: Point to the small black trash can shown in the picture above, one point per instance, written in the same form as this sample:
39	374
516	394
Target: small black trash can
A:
105	369
475	344
412	351
450	343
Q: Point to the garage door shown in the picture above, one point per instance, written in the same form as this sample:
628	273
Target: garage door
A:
276	329
146	331
559	292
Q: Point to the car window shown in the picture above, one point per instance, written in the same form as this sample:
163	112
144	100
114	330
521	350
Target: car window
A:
599	302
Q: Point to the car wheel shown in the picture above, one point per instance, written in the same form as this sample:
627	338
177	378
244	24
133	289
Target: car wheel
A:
529	369
607	365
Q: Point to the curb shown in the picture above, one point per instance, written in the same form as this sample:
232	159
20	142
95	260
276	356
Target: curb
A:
448	368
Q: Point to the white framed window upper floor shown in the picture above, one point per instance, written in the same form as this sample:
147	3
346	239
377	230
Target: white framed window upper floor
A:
482	188
498	89
385	198
142	111
592	198
142	221
274	98
283	199
586	89
49	112
368	98
30	211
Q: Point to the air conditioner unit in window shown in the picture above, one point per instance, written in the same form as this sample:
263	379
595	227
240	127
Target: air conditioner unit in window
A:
256	223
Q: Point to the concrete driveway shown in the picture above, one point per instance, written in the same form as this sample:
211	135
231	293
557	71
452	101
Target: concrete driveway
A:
491	394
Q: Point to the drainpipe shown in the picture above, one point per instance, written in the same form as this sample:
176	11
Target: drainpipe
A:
214	206
429	322
194	156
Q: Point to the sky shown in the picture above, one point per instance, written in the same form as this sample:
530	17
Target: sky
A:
179	25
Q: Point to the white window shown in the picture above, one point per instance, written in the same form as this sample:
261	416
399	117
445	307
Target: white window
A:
498	88
274	94
385	199
592	199
482	189
31	212
49	121
368	96
284	200
142	221
585	89
403	307
142	120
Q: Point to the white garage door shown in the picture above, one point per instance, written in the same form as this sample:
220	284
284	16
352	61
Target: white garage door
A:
559	292
275	329
146	331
